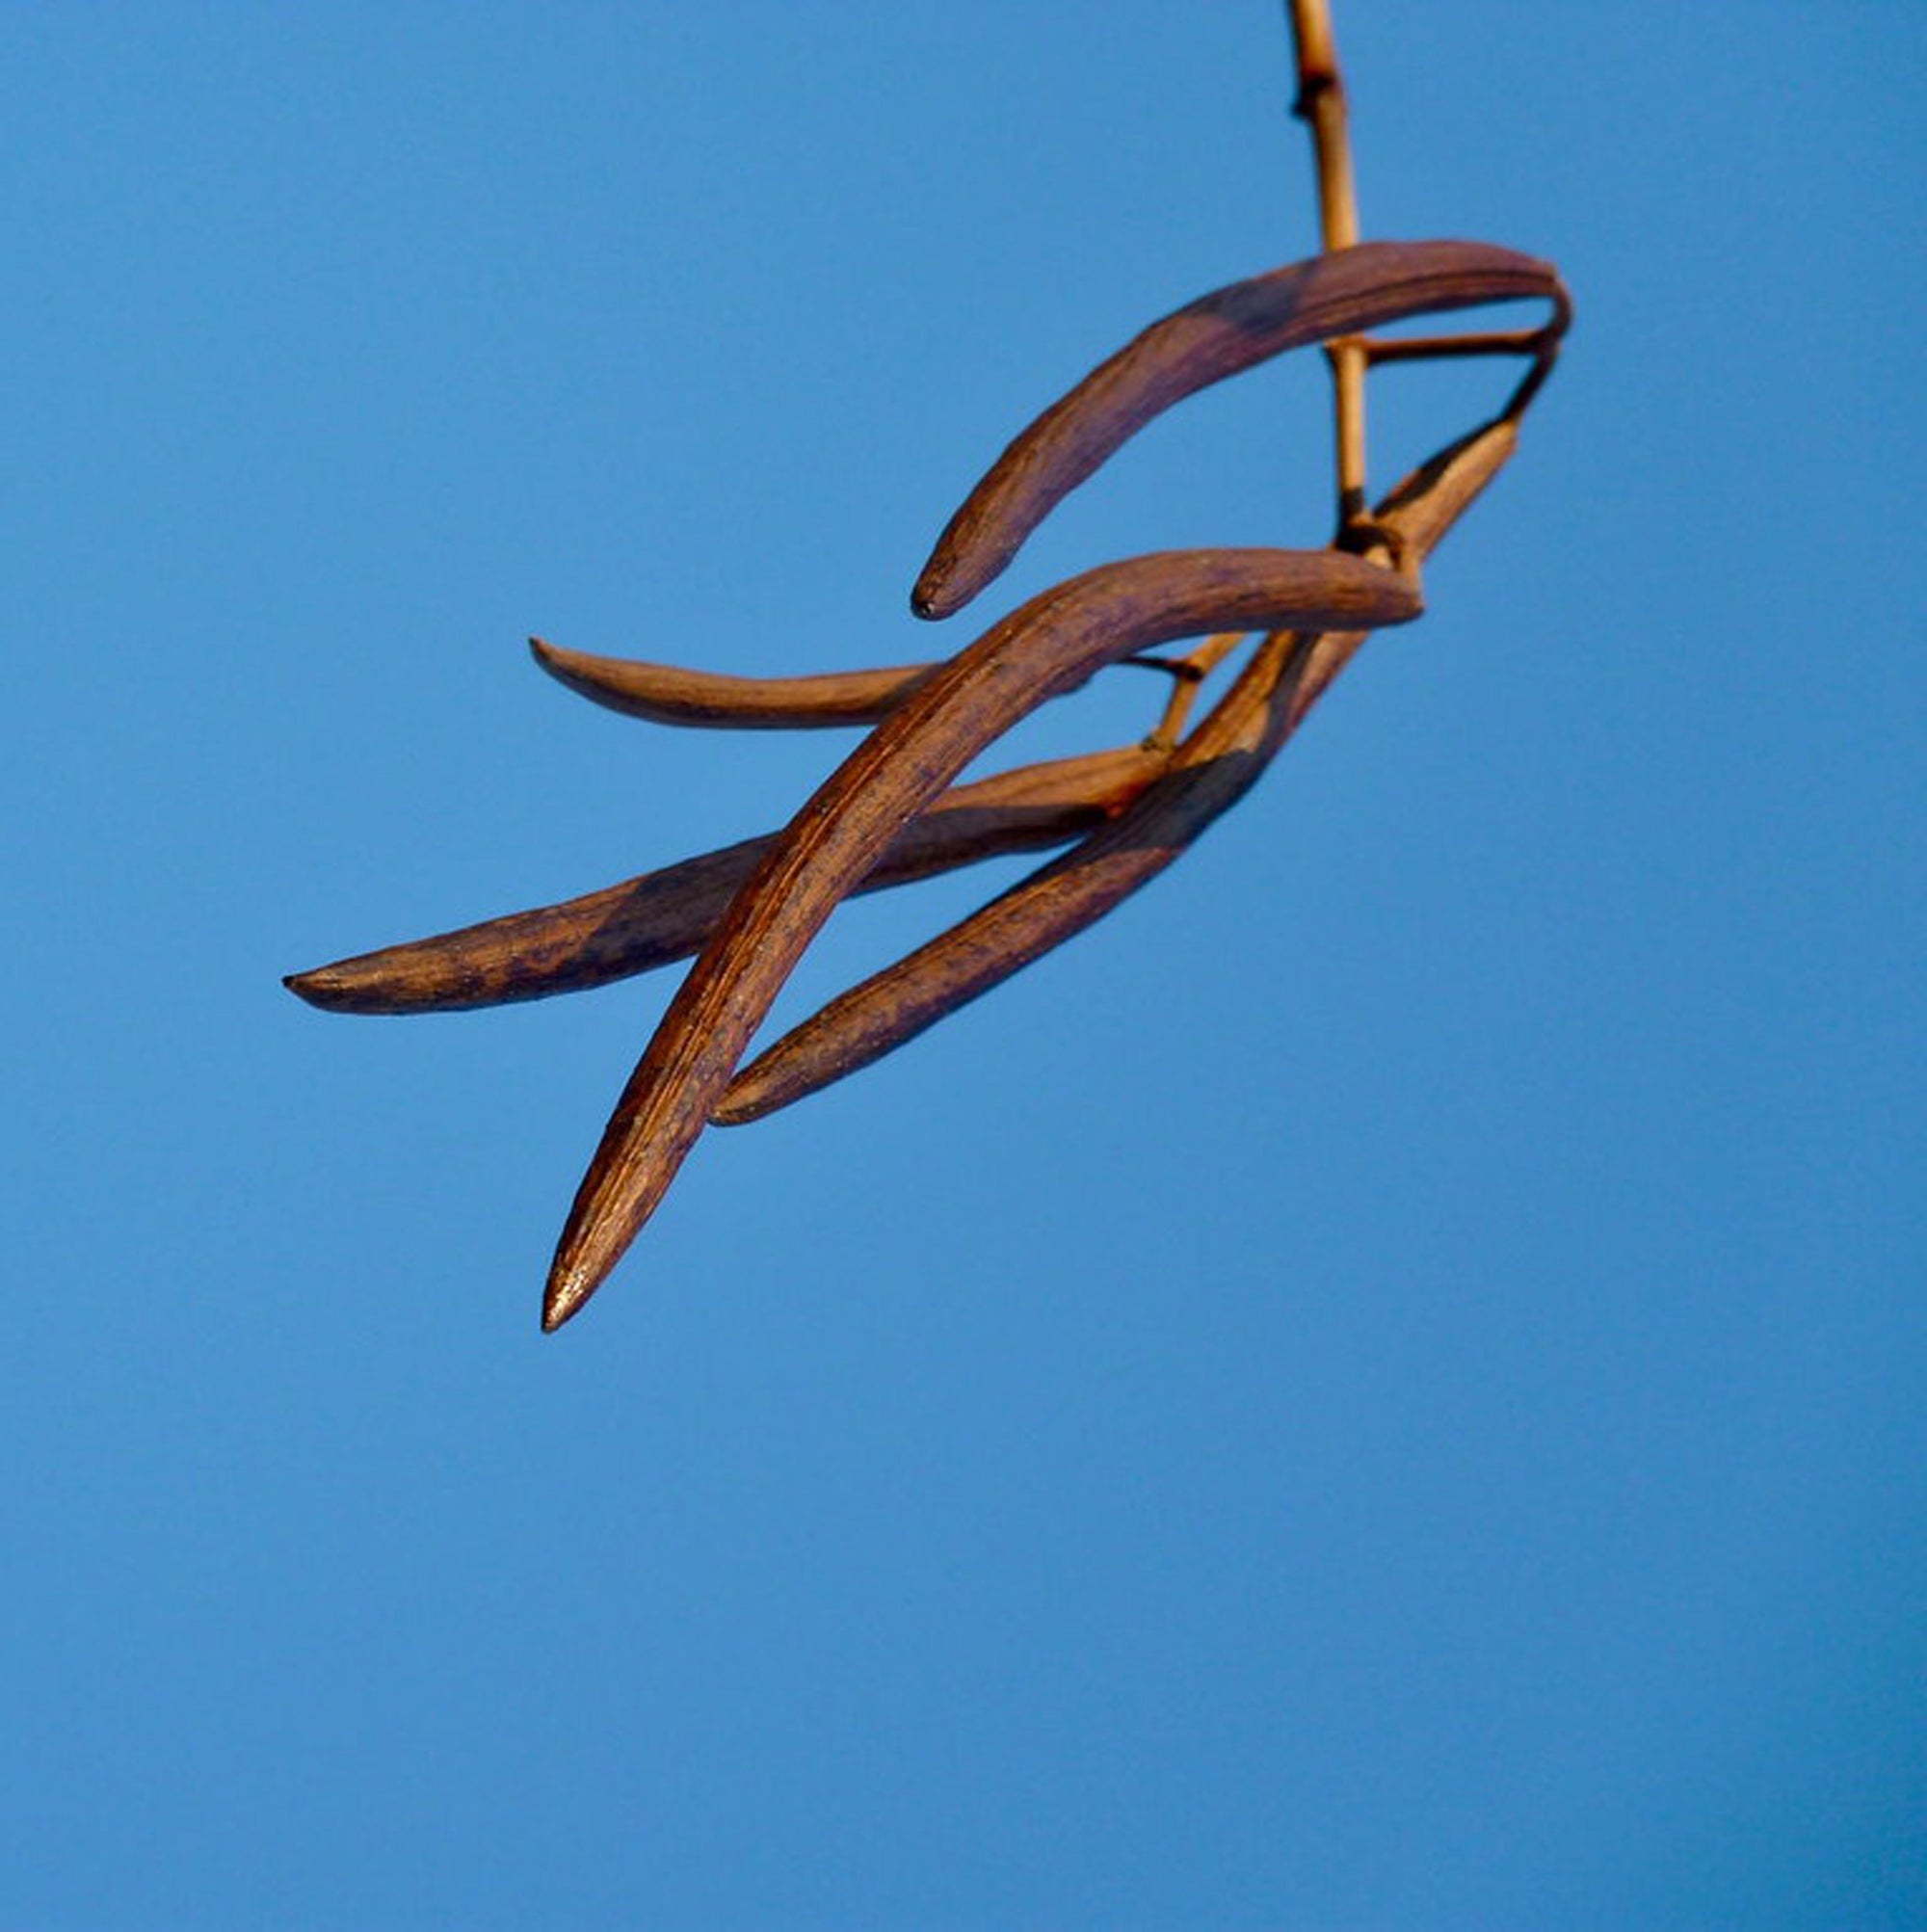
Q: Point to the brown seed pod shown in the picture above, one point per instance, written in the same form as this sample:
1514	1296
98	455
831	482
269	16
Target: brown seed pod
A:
1212	770
667	693
886	814
1047	646
1216	336
665	916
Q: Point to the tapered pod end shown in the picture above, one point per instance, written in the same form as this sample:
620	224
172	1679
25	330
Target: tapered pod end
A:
397	979
563	666
566	1290
595	1238
603	680
320	987
944	588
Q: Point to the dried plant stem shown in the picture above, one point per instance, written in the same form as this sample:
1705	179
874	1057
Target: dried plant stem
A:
1191	670
1320	103
1444	348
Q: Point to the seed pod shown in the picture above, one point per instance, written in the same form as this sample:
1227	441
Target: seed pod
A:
1213	769
667	915
1047	646
666	694
1216	336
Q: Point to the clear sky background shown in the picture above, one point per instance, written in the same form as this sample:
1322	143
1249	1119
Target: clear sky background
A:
1382	1388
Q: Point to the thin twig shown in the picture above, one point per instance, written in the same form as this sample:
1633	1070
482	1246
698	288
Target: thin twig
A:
1195	667
1320	103
1444	348
1542	344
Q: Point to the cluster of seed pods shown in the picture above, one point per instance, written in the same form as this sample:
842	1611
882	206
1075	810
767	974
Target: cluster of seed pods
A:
892	811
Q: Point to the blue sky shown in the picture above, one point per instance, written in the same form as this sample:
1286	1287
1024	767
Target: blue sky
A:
1380	1389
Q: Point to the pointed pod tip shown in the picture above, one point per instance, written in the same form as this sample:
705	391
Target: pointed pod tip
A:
582	1264
563	1297
932	597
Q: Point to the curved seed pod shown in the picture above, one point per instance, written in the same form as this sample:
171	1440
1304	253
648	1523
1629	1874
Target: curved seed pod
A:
1216	336
1046	646
665	694
1213	769
667	915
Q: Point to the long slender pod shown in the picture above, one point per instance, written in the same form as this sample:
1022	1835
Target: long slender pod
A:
665	915
667	693
1213	769
1216	336
1047	646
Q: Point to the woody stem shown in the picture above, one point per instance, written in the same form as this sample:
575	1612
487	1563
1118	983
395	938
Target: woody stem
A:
1320	104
